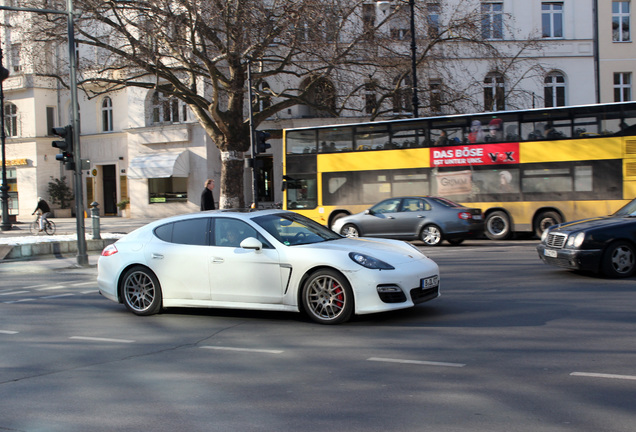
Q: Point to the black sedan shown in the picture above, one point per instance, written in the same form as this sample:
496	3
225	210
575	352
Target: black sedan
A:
605	245
426	218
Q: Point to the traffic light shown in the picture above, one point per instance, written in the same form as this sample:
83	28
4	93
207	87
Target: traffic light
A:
66	146
261	141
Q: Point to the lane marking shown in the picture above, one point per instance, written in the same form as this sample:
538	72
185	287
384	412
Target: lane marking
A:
8	332
35	286
58	296
417	362
602	375
89	292
265	351
13	292
96	339
56	287
19	301
82	284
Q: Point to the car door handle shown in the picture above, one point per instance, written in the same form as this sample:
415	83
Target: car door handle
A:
390	217
421	217
156	256
217	260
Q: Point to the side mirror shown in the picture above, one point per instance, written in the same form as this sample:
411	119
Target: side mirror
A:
251	243
369	212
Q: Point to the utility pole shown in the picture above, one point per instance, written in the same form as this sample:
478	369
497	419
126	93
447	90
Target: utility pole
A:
6	225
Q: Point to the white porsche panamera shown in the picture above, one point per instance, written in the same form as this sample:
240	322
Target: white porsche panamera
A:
265	260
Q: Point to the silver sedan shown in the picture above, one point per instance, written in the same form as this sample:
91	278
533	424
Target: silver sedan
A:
426	218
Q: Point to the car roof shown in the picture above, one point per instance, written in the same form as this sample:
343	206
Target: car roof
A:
244	214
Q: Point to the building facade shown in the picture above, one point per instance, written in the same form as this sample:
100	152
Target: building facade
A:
149	157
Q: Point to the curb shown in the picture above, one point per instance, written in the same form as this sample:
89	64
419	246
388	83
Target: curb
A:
53	248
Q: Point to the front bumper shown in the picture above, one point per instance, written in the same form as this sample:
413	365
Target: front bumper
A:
574	259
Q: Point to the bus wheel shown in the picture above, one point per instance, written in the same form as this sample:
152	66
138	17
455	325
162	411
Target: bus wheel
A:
350	230
497	226
545	220
336	217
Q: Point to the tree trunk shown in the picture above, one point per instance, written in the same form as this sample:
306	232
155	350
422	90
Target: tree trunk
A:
232	169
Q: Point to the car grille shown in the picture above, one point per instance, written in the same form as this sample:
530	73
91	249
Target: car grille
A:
392	297
556	241
419	295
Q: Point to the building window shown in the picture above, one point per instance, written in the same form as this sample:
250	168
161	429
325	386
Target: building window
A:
494	92
433	20
492	20
10	120
16	50
622	86
107	115
554	90
166	190
400	25
262	99
620	21
167	109
552	19
368	20
370	97
403	96
50	120
435	87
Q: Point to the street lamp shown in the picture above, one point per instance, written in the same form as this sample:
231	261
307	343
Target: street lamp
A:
384	5
6	224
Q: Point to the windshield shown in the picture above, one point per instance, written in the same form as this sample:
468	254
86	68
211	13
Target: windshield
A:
293	229
628	210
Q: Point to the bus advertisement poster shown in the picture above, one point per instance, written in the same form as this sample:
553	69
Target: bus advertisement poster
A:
476	154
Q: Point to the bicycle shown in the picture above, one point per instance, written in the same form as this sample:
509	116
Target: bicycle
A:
49	226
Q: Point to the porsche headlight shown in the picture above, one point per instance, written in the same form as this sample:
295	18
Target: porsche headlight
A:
370	262
575	241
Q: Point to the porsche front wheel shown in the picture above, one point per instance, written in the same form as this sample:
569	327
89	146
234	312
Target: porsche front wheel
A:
327	297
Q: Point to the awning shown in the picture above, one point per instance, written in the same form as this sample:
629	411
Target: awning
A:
160	165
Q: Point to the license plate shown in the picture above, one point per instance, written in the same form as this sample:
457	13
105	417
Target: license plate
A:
429	282
476	217
550	253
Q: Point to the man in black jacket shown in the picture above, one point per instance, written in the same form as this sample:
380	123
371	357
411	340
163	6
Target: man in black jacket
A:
207	199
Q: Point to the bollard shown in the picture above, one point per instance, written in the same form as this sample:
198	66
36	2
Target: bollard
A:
95	218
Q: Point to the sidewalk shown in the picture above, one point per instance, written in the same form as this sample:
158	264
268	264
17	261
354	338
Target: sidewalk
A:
24	250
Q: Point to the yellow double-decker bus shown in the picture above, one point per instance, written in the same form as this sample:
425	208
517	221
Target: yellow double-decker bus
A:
526	170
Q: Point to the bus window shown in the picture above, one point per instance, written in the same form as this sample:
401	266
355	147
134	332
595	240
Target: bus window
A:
302	193
371	138
585	127
299	142
335	139
409	135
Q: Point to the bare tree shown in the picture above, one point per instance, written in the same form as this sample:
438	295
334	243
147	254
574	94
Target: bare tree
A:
198	51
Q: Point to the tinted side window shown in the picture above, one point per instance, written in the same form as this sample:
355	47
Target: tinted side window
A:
164	232
191	232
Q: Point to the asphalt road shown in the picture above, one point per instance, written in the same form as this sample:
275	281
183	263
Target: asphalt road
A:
512	345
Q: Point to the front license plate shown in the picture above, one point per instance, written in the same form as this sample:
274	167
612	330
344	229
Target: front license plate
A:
429	282
550	253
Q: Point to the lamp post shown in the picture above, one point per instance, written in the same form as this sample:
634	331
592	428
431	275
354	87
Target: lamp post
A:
6	224
384	5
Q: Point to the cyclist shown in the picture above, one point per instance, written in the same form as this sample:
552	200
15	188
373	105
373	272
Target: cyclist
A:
45	211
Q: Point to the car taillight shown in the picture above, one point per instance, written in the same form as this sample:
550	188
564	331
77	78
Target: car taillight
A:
109	250
464	215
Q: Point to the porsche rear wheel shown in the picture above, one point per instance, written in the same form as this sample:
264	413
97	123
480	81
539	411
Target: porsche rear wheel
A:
141	291
327	297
